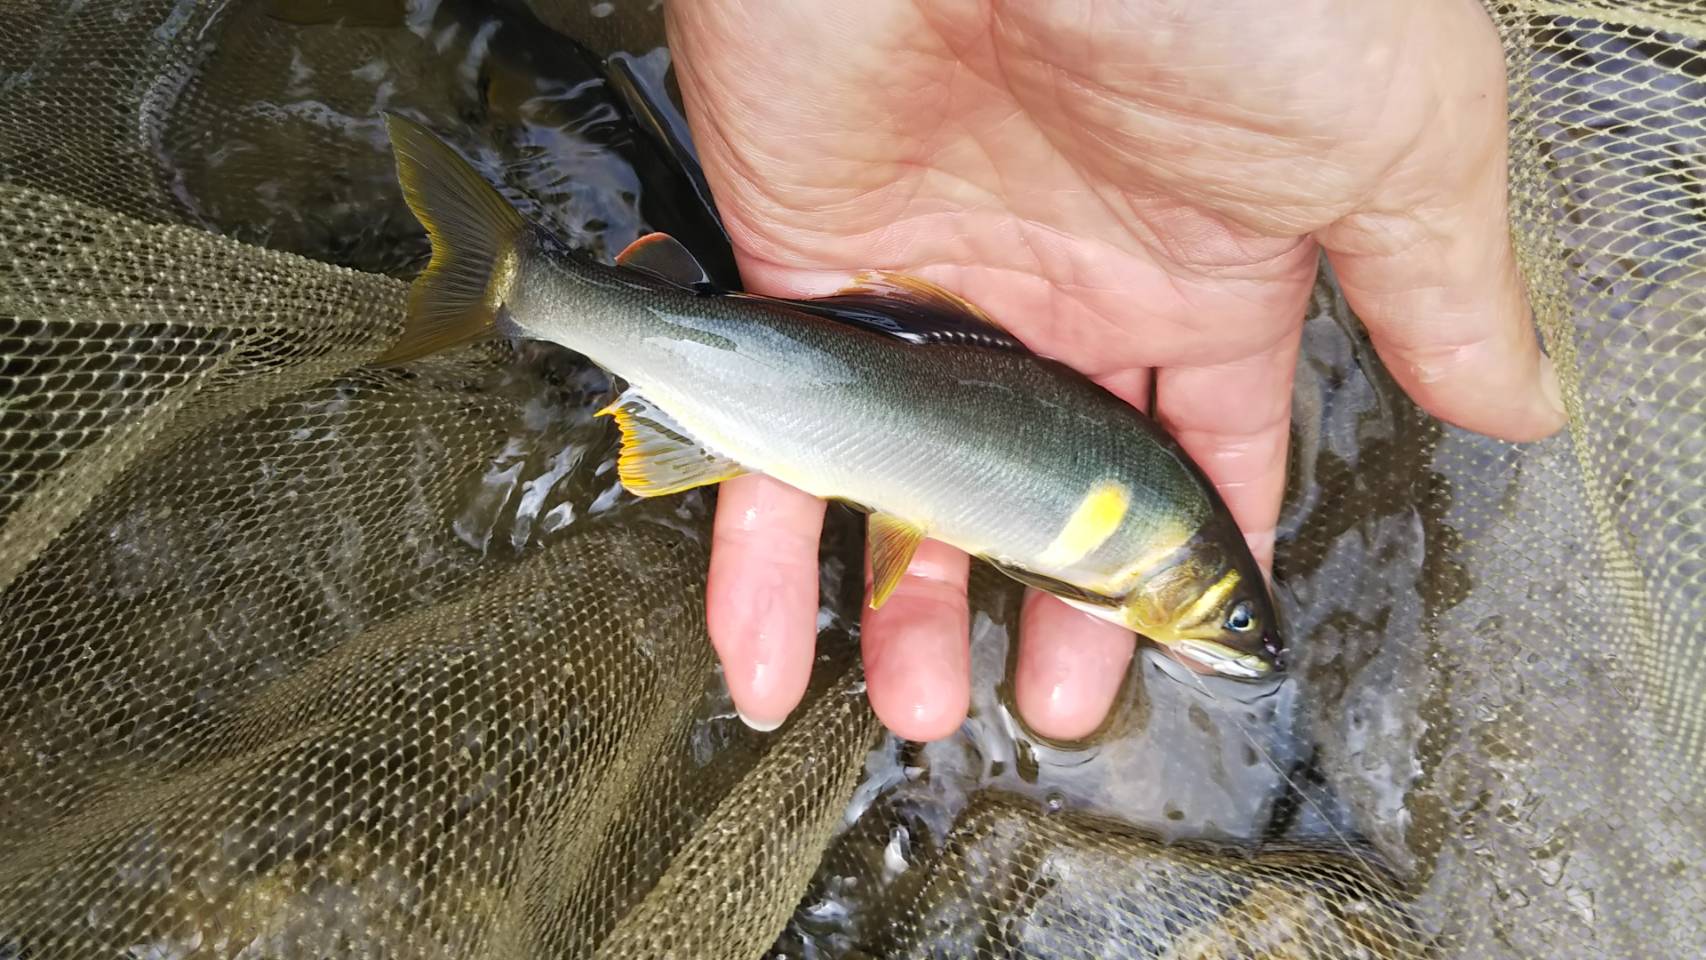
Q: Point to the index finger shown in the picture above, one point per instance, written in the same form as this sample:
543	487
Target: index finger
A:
761	595
1234	419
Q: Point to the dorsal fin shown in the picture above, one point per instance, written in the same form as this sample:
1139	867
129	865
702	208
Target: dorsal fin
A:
885	283
911	309
663	256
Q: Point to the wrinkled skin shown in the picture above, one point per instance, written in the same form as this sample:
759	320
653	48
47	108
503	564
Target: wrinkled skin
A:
1139	189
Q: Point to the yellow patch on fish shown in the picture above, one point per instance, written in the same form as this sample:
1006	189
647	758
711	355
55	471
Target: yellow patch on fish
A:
1093	521
1206	605
1167	543
505	268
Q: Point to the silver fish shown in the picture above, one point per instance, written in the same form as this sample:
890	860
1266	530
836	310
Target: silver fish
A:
895	396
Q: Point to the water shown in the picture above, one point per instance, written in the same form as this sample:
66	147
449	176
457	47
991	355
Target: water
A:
300	160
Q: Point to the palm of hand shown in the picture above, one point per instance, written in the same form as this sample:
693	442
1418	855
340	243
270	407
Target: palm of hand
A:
1136	191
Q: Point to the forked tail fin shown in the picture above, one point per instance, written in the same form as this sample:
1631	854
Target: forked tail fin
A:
474	234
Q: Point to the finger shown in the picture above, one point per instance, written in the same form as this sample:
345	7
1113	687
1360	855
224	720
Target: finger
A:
1459	341
1130	385
1438	287
1234	420
917	646
761	596
1071	667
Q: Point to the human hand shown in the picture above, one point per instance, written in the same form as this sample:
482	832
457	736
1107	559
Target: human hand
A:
1138	189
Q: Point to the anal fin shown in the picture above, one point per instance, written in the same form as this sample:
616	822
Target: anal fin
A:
893	541
659	457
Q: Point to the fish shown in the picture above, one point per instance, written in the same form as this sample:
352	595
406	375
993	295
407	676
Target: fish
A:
894	396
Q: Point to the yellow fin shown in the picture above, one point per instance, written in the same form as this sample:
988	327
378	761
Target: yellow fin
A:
658	456
1093	521
474	233
893	541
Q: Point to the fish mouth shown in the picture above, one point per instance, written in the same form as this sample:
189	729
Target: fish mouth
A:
1206	656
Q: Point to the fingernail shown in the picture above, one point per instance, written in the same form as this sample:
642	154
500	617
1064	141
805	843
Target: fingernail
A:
760	727
1550	387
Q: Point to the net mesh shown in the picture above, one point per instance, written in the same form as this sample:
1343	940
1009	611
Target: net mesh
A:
306	658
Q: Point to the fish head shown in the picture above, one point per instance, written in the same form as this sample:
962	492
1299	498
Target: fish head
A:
1210	610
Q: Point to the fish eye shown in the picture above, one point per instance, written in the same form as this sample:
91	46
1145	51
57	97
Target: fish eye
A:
1240	619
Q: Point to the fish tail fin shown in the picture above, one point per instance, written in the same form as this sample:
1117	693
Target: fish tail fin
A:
475	237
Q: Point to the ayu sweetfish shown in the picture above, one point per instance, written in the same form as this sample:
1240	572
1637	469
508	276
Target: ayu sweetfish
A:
896	397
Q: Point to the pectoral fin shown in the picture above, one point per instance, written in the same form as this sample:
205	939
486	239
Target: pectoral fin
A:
893	542
1058	588
659	457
